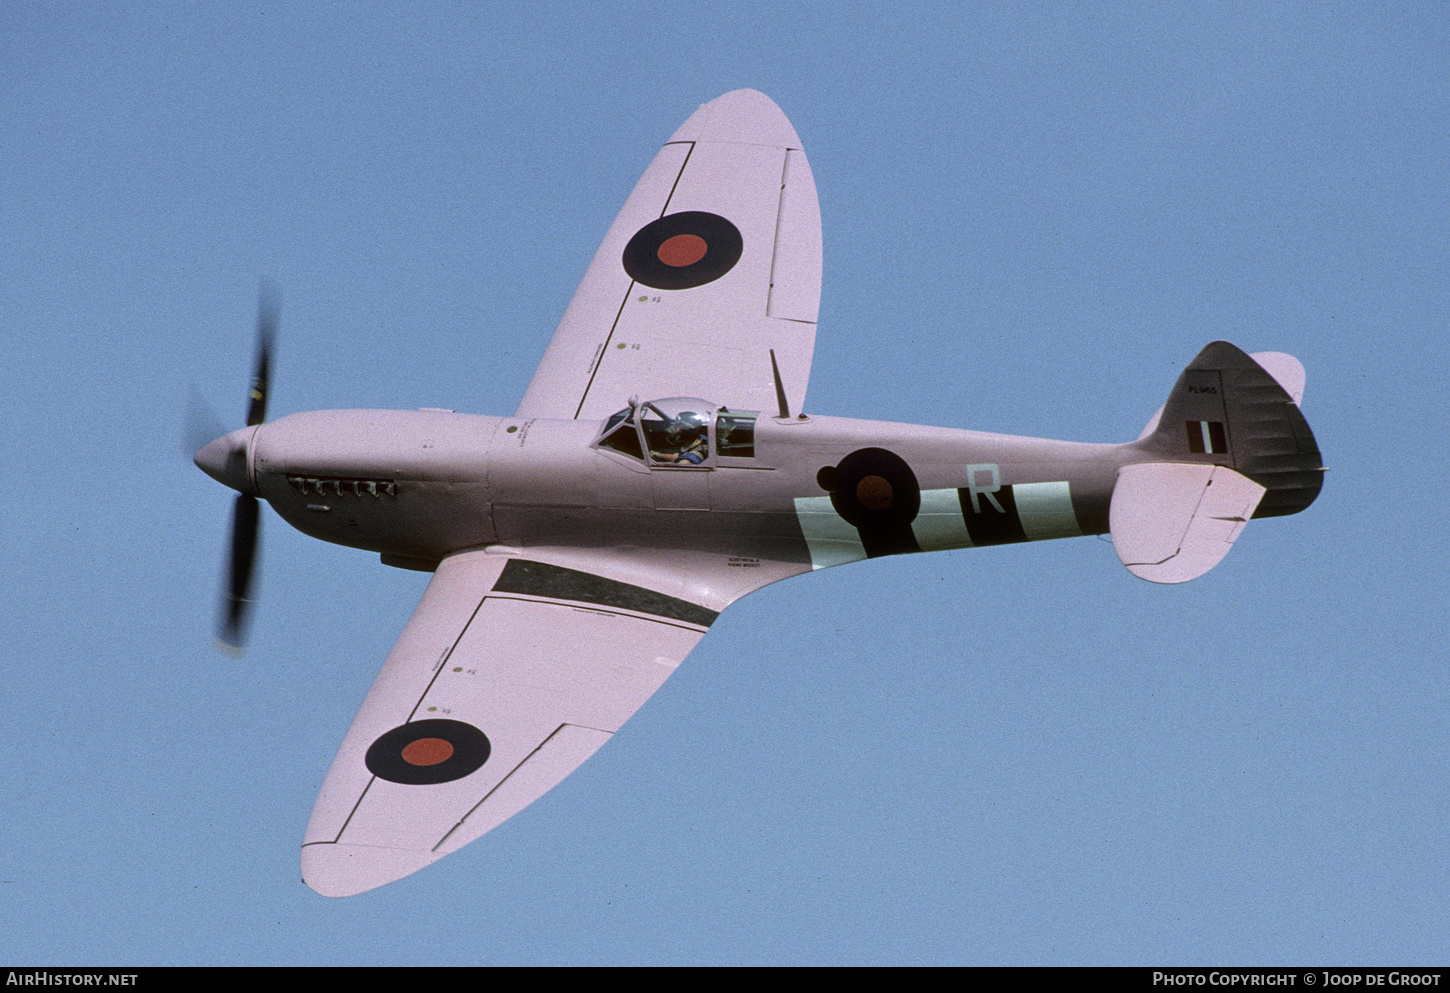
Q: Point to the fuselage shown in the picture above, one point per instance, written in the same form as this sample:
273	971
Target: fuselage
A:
416	486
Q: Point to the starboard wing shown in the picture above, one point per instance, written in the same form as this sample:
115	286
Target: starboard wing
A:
511	672
714	261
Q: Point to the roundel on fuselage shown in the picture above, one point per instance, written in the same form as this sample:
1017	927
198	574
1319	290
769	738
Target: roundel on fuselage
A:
878	493
424	753
680	251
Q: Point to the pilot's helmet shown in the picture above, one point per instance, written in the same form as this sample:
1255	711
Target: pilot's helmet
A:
686	425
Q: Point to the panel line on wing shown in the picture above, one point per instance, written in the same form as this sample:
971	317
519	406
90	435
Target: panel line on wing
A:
498	786
438	668
675	185
775	245
442	662
351	813
603	350
614	325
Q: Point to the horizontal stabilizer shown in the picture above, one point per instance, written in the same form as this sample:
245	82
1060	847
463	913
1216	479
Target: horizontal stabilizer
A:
1172	522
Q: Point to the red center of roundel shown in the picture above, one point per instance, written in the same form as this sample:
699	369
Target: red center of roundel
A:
874	493
427	751
682	250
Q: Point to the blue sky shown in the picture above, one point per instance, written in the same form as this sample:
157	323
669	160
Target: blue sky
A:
1033	218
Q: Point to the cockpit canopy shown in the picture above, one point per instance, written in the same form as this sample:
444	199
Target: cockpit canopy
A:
677	431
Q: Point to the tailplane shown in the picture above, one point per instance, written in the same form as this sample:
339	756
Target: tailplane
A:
1229	445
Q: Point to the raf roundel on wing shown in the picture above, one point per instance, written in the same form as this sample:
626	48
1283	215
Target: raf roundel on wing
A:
680	251
425	753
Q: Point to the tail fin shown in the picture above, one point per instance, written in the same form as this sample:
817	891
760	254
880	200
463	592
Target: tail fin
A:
1228	423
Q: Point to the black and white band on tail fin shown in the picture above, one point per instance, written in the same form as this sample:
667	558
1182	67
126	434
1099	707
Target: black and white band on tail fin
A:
1230	444
1207	437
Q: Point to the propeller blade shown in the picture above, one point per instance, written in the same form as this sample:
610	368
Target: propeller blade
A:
215	455
267	317
241	566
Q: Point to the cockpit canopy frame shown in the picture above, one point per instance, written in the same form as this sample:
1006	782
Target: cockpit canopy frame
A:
677	433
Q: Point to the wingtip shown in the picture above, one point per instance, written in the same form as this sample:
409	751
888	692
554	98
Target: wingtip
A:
742	117
336	870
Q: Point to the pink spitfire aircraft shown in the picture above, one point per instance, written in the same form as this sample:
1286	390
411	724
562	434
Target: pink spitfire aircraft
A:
655	473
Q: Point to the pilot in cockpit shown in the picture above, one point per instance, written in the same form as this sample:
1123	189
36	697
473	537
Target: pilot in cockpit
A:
685	439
